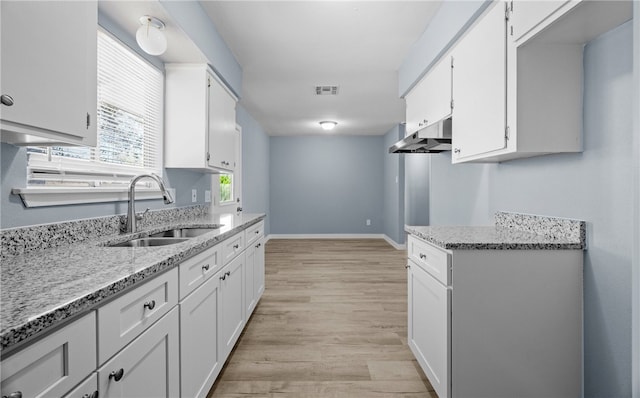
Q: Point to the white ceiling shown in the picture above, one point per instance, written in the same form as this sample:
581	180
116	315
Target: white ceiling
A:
286	48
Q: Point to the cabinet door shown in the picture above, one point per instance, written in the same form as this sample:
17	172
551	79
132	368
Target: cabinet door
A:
258	282
231	308
222	127
199	351
429	336
528	14
52	366
415	104
88	388
479	86
148	367
250	271
49	69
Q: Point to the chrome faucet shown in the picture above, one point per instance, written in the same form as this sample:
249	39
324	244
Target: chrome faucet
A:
132	217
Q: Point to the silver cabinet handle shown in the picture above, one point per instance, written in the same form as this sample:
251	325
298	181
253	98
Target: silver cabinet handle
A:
15	394
94	394
208	156
257	232
423	256
258	245
228	273
236	246
8	101
456	150
150	305
205	267
116	375
223	277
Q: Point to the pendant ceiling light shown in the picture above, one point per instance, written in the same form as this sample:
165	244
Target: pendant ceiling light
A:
150	37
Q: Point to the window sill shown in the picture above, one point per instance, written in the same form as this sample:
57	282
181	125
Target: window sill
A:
40	197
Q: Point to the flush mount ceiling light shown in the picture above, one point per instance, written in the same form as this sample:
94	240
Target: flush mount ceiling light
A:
328	124
150	37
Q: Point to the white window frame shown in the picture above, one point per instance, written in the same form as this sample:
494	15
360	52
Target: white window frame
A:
34	196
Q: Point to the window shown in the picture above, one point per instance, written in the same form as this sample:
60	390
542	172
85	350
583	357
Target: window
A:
129	114
226	188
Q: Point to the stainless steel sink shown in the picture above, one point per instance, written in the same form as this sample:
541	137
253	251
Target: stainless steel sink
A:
184	232
149	242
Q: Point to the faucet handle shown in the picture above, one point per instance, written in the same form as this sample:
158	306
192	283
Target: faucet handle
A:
140	216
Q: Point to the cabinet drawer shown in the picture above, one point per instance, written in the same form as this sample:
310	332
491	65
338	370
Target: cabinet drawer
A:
232	247
126	317
196	270
254	232
88	388
55	364
430	258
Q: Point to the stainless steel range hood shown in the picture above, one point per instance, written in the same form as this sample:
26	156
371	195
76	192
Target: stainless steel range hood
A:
434	138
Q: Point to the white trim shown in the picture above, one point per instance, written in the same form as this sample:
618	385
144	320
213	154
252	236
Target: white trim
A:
393	243
39	197
326	236
635	250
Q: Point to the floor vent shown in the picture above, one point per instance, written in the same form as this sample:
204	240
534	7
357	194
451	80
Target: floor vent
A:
326	90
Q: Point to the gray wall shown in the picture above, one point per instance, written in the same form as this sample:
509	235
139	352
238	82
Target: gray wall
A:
255	166
595	185
393	186
416	188
326	185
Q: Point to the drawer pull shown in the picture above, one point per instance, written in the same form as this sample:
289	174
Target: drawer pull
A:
95	394
228	273
257	232
116	375
236	246
407	266
8	101
16	394
423	256
258	245
205	267
223	277
150	305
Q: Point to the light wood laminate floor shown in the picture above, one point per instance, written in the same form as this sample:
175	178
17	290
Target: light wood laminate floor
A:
332	323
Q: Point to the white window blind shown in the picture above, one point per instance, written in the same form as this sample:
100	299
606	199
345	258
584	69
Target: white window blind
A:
130	93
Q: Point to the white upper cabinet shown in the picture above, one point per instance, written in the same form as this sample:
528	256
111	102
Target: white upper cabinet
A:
430	100
479	86
48	73
517	77
200	120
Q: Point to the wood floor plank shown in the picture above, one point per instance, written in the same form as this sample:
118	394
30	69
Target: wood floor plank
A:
332	323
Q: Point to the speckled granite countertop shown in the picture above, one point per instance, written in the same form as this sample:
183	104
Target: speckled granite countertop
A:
42	288
512	231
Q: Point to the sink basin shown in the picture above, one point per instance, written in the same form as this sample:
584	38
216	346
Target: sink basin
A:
149	242
184	232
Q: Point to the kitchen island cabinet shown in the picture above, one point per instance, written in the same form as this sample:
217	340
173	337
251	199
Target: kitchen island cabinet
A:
492	318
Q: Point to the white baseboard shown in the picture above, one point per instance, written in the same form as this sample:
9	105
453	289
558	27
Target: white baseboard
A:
393	243
397	246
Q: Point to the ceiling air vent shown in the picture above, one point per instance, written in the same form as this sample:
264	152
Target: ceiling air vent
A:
326	90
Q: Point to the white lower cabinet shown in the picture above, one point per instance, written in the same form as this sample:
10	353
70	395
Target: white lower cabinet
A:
148	367
145	342
200	355
51	367
231	312
508	324
88	388
429	316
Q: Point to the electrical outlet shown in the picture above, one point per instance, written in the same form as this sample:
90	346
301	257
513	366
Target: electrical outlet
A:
368	222
194	195
207	196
